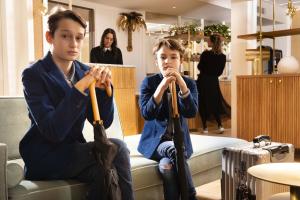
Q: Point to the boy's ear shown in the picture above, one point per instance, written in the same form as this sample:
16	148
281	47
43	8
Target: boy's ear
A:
49	37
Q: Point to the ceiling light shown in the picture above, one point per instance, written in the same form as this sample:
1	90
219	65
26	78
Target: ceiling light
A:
174	7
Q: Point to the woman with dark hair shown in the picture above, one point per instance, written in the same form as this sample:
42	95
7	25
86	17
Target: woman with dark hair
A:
211	66
107	52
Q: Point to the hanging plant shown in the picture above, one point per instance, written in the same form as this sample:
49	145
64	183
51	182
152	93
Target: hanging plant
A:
131	21
193	27
222	29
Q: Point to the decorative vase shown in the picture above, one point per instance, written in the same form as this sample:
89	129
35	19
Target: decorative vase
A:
288	65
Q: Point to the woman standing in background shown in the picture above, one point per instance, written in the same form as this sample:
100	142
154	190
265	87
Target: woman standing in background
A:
211	66
107	52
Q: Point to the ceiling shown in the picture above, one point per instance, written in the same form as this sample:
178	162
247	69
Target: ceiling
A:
212	10
167	11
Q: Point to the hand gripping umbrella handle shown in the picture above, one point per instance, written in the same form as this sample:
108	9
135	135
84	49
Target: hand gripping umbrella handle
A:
108	88
94	100
172	87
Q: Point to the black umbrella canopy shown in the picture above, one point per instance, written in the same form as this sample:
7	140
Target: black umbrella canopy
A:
179	145
104	150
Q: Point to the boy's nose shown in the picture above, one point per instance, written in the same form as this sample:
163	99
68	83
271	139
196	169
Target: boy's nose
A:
73	42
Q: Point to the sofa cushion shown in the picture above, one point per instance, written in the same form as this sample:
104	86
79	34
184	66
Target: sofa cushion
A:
14	123
14	172
48	190
206	156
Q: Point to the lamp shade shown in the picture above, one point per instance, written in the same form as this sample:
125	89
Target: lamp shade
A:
288	65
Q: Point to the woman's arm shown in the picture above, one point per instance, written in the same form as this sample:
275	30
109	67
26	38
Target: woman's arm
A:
222	63
119	57
93	56
202	61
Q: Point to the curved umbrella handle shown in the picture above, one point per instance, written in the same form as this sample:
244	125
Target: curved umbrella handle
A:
108	90
94	102
172	88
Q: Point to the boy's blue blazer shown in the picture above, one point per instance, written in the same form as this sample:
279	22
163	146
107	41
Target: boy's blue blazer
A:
156	116
57	113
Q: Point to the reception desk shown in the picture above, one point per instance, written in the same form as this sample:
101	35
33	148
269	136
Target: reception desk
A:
124	82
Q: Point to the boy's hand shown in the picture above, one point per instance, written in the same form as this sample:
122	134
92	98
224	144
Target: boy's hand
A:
178	78
102	75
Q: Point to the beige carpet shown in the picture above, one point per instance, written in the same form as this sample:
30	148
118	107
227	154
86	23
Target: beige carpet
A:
210	191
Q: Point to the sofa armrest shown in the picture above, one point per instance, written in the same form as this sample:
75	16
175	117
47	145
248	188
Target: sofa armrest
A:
3	161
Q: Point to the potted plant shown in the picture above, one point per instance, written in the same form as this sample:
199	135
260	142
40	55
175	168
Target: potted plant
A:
222	29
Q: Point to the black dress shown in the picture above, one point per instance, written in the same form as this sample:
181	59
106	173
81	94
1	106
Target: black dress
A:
211	101
99	55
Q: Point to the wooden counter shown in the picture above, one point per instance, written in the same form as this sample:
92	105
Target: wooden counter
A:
124	82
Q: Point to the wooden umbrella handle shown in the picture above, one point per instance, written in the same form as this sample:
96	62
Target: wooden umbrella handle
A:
94	102
172	88
108	90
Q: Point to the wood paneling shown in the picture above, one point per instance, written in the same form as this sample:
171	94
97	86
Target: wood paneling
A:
38	28
124	81
268	104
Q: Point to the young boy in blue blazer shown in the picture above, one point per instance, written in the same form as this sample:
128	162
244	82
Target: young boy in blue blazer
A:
56	92
156	142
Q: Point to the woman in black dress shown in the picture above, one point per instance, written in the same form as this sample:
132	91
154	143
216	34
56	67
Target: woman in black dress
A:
107	52
211	66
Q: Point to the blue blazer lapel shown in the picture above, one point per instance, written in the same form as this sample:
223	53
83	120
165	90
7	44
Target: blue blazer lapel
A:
80	70
55	74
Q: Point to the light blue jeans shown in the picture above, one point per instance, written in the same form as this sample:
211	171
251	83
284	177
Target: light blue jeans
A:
166	156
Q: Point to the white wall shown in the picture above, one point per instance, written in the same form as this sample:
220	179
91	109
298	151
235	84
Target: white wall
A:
16	44
17	47
243	21
106	17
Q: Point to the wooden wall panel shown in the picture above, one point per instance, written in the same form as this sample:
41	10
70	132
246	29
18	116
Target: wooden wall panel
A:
124	81
127	110
38	28
269	105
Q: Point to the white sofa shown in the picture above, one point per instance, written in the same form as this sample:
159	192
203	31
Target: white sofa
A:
205	163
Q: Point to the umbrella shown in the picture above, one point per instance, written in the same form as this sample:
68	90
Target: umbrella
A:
179	144
104	150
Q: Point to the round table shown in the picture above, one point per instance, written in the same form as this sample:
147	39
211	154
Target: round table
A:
282	173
